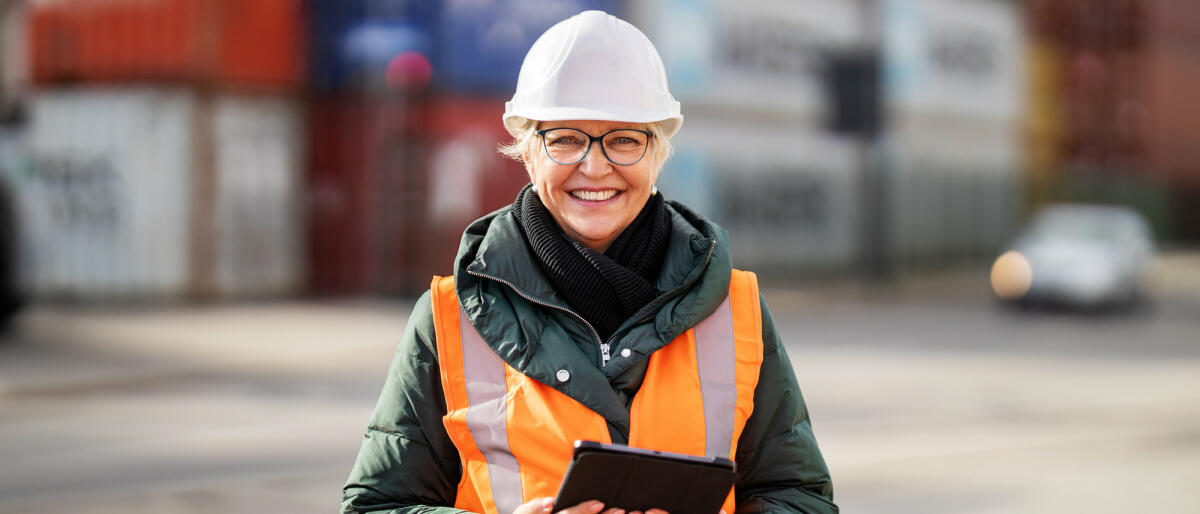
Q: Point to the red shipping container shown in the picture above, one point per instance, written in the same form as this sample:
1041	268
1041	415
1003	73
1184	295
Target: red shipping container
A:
468	176
1171	113
256	44
392	185
342	145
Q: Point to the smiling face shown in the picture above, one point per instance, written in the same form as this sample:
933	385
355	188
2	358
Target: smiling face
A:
592	200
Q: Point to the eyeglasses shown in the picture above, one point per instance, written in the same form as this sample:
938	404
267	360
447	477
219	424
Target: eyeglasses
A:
622	147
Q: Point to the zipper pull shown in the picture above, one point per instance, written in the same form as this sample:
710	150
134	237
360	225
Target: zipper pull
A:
604	355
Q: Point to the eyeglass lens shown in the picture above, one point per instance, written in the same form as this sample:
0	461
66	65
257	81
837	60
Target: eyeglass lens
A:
622	147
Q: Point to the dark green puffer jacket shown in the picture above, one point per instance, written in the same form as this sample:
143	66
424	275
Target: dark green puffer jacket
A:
407	463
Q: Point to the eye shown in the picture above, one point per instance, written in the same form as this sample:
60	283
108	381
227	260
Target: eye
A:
564	141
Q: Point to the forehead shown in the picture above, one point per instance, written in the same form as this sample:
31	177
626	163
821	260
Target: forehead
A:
594	127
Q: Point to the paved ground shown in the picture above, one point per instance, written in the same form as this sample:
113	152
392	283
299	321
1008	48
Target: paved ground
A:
925	397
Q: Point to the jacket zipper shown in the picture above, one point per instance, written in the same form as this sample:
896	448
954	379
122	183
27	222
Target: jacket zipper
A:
605	346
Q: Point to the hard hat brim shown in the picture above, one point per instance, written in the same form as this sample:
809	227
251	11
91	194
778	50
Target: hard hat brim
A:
519	123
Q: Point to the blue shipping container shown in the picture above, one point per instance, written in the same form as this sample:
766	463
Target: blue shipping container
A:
480	43
351	42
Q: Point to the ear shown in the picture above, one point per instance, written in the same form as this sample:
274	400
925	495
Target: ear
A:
527	159
657	166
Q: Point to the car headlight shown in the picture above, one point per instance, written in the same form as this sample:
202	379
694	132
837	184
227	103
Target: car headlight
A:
1012	275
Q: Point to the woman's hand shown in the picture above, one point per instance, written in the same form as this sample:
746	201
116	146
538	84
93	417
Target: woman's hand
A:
543	506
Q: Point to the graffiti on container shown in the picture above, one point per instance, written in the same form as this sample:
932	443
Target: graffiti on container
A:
772	48
79	194
964	53
782	200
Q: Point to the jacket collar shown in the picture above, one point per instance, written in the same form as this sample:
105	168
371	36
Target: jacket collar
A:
497	279
494	247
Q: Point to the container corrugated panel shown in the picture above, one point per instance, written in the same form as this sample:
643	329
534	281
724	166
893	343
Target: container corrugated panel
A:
1166	113
113	202
105	202
1045	120
365	192
949	194
764	57
225	42
341	132
962	58
14	71
788	196
259	248
1173	18
392	184
467	176
480	45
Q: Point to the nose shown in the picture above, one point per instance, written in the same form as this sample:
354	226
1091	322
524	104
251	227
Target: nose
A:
594	163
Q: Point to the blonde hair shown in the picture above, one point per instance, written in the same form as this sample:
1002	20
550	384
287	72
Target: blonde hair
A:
524	144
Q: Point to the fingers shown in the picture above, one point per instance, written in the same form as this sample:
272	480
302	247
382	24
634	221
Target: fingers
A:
590	507
536	506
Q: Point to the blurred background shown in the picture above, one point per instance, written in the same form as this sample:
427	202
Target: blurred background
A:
977	223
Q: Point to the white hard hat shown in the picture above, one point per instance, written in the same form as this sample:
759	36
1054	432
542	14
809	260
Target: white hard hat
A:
592	66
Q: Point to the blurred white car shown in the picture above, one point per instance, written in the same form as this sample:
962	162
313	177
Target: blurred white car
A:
1077	256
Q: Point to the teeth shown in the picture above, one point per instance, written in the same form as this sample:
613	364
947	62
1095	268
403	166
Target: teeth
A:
594	196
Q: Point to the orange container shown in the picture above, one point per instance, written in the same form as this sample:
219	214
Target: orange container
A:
254	44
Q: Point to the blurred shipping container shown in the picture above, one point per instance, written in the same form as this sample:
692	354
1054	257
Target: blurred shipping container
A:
224	42
392	184
1169	111
953	58
752	153
469	46
352	42
749	58
1123	79
142	192
14	71
949	200
787	195
753	79
481	43
954	85
258	165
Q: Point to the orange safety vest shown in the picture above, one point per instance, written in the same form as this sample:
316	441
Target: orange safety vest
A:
515	435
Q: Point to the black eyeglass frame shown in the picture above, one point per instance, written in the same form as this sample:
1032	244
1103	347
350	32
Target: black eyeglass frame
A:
595	139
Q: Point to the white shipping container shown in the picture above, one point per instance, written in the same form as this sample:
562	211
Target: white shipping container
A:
105	204
258	161
954	90
949	194
764	57
954	58
109	204
786	195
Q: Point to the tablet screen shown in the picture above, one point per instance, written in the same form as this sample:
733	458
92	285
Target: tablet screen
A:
638	479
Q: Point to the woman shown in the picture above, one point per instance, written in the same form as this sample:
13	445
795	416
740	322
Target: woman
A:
588	309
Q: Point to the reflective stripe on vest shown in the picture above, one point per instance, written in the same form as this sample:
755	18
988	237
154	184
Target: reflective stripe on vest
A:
515	434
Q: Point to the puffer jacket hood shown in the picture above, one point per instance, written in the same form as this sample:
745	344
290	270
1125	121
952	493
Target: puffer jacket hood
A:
501	286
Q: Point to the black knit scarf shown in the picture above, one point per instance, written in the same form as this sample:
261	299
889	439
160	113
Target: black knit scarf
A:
605	288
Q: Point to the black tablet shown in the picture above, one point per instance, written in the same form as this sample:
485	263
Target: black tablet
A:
638	479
